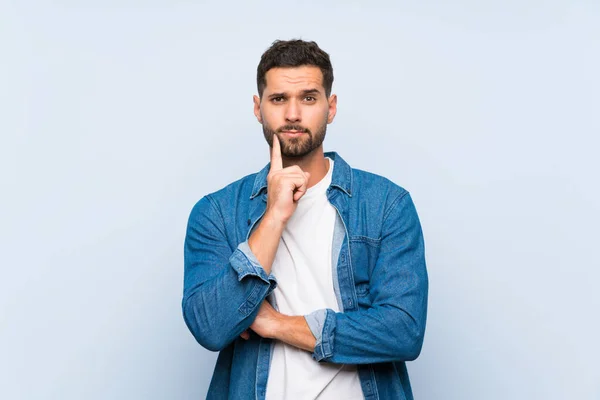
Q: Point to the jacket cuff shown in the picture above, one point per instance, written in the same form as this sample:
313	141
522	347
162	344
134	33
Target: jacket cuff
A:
324	346
316	322
245	263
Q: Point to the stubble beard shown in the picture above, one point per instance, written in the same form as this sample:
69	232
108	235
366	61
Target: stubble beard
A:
296	147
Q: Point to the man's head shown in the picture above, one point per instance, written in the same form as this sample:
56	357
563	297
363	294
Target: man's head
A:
294	80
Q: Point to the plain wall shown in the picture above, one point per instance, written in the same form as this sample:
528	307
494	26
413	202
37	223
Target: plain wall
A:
117	116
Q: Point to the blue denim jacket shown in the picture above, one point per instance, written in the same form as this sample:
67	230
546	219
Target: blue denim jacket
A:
379	275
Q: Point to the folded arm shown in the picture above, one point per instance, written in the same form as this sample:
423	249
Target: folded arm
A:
392	328
223	290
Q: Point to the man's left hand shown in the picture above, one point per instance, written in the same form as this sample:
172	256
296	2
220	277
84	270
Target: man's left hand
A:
293	330
266	322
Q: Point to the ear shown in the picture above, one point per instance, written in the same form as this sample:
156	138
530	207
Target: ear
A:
257	108
332	108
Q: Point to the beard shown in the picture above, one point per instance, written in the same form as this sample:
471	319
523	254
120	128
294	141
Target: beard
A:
296	147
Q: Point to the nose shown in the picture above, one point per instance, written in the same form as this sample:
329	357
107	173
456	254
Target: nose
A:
292	113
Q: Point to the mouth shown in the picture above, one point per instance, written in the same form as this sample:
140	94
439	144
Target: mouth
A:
292	133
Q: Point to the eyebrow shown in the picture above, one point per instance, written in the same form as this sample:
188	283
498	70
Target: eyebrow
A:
303	93
310	91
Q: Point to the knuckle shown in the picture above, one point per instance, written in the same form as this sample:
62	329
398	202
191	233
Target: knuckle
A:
272	175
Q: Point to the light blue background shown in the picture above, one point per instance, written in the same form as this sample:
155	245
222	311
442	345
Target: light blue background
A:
117	116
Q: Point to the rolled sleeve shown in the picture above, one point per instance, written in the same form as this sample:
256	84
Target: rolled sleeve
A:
245	263
322	325
316	322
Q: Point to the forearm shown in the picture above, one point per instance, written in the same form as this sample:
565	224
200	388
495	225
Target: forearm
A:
217	311
294	331
264	241
223	290
374	335
390	324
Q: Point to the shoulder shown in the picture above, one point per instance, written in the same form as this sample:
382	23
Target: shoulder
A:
362	184
376	186
218	200
386	200
237	188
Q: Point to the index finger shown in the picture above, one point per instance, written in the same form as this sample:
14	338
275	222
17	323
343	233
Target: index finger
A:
276	162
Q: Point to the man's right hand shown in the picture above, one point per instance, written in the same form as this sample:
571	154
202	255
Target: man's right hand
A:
285	186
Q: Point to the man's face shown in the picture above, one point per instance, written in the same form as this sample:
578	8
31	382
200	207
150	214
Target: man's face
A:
294	106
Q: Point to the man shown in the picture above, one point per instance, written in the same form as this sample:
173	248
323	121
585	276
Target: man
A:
309	276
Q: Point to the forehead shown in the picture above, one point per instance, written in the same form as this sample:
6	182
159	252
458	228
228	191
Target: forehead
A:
293	79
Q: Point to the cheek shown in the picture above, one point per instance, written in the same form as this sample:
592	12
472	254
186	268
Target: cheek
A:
271	116
316	116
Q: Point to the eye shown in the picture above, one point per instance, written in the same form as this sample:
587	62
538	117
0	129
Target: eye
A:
277	99
310	99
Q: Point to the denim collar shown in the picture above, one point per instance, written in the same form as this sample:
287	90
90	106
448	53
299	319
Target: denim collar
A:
342	176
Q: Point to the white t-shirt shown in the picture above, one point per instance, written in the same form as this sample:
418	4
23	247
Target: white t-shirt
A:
302	267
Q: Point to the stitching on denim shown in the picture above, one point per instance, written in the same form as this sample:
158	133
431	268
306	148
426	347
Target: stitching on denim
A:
222	220
366	239
396	200
374	380
350	273
245	305
240	258
328	343
255	271
254	295
351	181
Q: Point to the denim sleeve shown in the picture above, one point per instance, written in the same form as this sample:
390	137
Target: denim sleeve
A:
315	321
392	328
223	289
245	263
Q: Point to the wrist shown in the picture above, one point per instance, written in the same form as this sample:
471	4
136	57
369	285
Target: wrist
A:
280	327
294	331
273	222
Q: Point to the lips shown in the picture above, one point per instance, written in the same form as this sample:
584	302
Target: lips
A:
292	133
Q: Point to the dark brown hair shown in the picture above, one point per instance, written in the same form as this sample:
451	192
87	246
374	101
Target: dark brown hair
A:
294	53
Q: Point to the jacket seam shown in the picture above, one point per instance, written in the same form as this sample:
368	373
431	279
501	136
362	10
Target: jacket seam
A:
375	391
350	269
248	304
253	272
396	201
351	181
367	239
222	219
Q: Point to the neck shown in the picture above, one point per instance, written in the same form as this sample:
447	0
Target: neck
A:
313	163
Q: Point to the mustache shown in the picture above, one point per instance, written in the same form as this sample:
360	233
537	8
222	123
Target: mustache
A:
293	128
